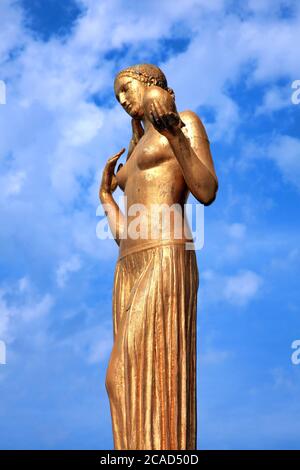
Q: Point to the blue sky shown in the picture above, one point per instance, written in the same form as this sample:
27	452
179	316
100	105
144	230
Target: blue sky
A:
234	64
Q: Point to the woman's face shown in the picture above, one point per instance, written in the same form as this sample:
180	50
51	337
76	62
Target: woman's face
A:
130	94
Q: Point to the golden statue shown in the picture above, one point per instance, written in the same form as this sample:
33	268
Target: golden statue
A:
151	376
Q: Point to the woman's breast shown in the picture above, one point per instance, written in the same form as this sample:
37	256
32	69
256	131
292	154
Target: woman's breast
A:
122	176
153	153
149	154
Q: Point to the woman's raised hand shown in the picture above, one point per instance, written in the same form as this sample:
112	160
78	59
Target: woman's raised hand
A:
109	181
165	120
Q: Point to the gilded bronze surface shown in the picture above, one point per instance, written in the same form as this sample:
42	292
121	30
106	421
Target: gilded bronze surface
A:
151	376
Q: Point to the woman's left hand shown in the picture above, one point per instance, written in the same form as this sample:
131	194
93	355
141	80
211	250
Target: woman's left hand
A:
109	182
165	121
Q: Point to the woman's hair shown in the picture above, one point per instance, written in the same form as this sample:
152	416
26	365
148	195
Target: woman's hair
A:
148	74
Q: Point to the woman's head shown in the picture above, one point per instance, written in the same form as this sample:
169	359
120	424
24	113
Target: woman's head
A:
131	84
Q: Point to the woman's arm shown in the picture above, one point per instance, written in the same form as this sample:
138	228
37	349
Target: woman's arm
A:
190	145
107	187
192	150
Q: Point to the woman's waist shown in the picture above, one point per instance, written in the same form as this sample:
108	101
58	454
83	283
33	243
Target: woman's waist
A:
156	222
129	246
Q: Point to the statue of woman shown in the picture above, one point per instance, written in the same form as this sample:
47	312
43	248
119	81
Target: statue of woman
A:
151	376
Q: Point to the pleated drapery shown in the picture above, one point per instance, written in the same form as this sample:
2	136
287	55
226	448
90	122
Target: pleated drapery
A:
151	376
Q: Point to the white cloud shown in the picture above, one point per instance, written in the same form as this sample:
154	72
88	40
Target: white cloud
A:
268	7
285	151
4	316
12	32
36	309
241	288
65	268
11	183
24	284
92	344
281	379
238	289
214	357
237	230
101	348
19	304
88	120
275	99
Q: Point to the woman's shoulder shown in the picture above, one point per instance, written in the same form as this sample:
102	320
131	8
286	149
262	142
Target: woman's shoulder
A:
193	124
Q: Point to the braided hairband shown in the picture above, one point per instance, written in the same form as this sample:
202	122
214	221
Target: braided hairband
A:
148	80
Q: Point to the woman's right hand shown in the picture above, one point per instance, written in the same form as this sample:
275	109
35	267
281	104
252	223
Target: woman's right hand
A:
109	182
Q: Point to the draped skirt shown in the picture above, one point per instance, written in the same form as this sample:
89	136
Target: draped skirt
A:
151	375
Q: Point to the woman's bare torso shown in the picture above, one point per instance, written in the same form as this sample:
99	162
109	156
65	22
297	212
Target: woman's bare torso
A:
152	178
